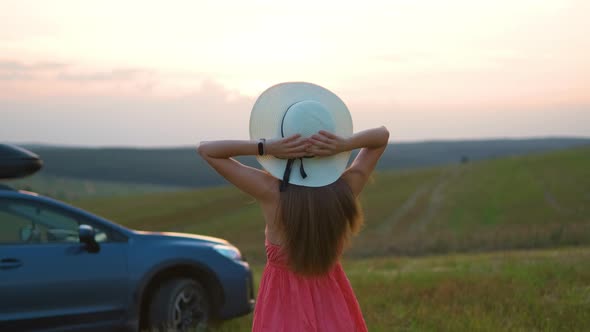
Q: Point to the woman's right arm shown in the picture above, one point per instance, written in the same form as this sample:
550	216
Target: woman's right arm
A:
257	183
372	143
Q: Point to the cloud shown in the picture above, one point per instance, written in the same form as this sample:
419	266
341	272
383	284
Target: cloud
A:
32	80
15	70
64	103
212	111
14	75
101	76
20	66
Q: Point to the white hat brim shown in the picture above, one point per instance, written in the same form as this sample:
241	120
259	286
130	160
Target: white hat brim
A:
265	122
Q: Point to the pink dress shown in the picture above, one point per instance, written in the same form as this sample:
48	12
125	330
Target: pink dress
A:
290	302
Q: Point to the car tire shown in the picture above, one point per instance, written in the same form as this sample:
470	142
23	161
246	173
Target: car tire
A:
179	305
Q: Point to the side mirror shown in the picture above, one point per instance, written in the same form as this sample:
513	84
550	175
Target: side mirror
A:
86	235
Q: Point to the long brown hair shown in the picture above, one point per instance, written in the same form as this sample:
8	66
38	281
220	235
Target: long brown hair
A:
316	224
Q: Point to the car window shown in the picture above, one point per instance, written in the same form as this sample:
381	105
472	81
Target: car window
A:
11	227
28	222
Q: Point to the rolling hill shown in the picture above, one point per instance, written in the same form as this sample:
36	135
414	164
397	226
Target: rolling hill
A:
540	200
181	167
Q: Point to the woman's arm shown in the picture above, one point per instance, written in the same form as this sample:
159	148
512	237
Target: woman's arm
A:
255	182
372	143
227	149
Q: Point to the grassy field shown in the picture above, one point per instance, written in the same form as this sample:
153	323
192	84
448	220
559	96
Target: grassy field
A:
437	252
532	290
523	202
64	188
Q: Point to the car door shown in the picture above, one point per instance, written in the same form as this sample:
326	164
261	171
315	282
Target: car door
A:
48	278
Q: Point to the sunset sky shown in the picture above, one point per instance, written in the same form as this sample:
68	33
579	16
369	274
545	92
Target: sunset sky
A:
172	73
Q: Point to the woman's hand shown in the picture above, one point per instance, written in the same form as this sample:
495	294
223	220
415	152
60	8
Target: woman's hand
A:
291	147
324	144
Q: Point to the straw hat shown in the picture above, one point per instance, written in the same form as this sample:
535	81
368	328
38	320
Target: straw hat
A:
301	108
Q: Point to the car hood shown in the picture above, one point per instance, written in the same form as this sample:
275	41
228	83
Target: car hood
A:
185	236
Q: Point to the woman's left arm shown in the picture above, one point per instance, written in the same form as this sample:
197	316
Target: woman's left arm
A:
252	181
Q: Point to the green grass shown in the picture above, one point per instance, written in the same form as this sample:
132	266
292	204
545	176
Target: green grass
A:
64	188
537	201
539	290
522	202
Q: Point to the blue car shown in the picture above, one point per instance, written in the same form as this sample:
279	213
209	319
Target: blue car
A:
65	269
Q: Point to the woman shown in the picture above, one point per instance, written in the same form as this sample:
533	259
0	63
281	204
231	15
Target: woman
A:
310	214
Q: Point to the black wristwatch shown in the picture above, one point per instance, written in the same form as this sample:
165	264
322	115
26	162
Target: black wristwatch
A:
261	146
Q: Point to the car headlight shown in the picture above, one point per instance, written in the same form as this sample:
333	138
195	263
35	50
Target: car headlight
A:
228	251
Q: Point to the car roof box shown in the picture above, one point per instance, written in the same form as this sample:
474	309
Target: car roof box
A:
16	162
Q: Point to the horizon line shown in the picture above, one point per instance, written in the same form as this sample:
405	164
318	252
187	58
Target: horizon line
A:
185	146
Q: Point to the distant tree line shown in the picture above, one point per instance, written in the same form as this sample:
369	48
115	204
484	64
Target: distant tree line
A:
183	166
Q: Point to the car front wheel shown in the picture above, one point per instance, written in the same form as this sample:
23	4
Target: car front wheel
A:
179	305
